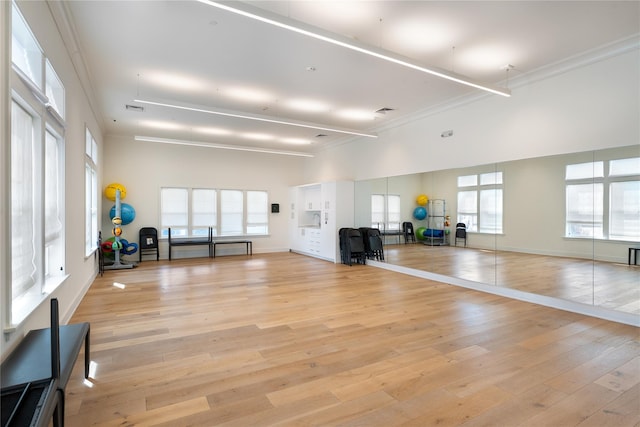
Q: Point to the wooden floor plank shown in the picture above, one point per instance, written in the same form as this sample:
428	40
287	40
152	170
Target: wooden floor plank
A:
283	339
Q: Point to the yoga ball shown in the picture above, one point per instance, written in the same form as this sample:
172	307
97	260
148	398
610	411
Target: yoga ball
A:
110	191
420	233
422	199
127	213
420	213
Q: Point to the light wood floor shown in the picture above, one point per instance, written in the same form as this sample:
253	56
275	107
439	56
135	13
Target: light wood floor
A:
284	339
604	284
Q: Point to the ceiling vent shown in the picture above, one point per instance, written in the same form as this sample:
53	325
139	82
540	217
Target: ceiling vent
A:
135	108
384	110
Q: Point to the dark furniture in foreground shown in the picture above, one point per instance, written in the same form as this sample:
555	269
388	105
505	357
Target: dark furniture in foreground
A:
148	242
633	253
248	243
38	369
192	241
408	232
461	233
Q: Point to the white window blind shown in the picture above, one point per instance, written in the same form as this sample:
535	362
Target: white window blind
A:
257	212
231	207
23	251
377	211
584	210
174	211
203	211
393	212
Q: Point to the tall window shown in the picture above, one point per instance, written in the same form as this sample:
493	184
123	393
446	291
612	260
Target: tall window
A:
232	212
191	211
257	212
603	199
37	250
385	212
91	194
204	211
480	202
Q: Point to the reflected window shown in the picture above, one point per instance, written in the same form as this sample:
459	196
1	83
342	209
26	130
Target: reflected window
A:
603	199
385	212
480	202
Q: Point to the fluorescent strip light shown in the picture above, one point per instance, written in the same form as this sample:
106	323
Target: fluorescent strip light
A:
221	146
260	119
316	33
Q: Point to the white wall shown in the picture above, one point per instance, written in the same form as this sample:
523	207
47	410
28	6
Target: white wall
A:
591	107
144	167
80	270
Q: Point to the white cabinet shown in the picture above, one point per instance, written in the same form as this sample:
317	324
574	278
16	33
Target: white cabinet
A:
318	211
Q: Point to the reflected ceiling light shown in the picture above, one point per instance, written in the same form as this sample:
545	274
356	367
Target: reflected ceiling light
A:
160	125
296	141
220	146
260	119
212	131
257	136
486	57
308	105
173	81
359	115
421	35
246	94
319	34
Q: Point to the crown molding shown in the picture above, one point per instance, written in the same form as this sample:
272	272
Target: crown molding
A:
592	56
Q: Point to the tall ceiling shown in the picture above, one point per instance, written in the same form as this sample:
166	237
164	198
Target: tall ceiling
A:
189	54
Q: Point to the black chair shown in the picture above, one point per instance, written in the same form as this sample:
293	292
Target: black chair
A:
376	248
356	247
148	238
461	233
407	230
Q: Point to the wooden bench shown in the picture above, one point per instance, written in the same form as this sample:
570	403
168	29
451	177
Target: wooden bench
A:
192	241
248	243
46	355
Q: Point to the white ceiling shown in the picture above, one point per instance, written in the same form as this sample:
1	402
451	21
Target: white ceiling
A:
191	54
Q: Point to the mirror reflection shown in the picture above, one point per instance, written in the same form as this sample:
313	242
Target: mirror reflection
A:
558	226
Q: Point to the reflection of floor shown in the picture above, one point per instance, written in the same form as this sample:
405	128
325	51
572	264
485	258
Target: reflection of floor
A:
604	284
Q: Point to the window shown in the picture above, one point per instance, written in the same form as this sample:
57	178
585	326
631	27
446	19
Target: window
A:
26	54
191	211
55	93
480	205
385	211
91	194
603	199
37	235
174	207
232	212
257	212
204	212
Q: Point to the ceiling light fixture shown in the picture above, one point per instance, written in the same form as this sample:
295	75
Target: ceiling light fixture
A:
319	34
220	146
260	119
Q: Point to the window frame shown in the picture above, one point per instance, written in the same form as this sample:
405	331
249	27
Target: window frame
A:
481	184
386	214
46	133
91	193
602	180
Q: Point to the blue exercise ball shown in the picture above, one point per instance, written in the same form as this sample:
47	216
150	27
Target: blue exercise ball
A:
419	213
127	213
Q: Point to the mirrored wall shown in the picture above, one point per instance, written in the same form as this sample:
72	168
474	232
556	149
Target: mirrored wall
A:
558	226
